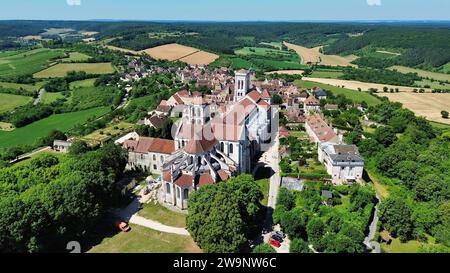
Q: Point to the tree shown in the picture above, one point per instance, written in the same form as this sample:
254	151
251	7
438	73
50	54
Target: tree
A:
385	135
299	246
276	99
395	216
294	223
264	248
222	217
445	114
315	230
78	147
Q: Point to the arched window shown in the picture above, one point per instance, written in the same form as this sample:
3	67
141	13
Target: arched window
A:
231	148
199	160
222	147
186	194
162	159
168	188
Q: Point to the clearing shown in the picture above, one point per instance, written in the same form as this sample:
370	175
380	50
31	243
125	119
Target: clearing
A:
427	105
61	70
64	122
349	93
364	86
9	102
145	240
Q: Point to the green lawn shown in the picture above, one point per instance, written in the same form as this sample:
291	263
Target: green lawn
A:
264	184
349	93
28	62
9	102
29	134
61	70
423	73
144	240
163	215
327	74
82	83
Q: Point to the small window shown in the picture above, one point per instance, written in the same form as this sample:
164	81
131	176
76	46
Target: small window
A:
162	159
178	193
155	167
154	157
185	194
168	188
231	148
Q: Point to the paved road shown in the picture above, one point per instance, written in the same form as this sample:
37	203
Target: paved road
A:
130	214
24	156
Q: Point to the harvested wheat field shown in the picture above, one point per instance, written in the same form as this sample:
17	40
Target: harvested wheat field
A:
123	50
313	55
308	55
170	52
365	86
61	70
200	58
428	105
287	72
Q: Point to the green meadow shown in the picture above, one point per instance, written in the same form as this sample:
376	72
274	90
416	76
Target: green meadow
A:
9	102
64	122
354	95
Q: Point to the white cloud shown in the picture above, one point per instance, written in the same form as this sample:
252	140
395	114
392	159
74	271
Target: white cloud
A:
374	2
74	2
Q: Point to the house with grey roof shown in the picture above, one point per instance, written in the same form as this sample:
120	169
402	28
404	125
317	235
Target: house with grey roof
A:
343	162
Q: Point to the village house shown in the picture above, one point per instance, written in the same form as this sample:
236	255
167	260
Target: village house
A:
61	146
343	162
319	131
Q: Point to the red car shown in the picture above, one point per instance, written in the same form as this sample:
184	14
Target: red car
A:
274	243
123	226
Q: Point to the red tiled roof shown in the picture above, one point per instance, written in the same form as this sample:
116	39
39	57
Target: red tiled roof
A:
264	104
153	145
199	146
311	100
167	176
255	96
162	146
321	128
205	179
265	95
184	181
223	175
183	93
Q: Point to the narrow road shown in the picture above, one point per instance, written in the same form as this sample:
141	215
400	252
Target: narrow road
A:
39	97
24	156
368	241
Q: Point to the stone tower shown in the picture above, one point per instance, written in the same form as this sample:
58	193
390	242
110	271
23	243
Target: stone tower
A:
242	84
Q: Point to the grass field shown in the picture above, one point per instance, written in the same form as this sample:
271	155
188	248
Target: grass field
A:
163	215
144	240
349	93
422	73
9	102
61	70
433	85
427	105
76	57
446	68
28	62
327	74
313	56
63	122
82	83
365	86
27	87
48	97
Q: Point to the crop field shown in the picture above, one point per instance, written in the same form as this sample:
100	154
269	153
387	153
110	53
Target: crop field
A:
27	87
313	56
61	70
287	72
364	86
9	102
48	98
200	58
28	62
327	74
422	73
64	122
349	93
76	57
170	52
277	45
124	50
427	105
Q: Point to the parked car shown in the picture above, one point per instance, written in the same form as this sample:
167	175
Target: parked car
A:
123	226
274	243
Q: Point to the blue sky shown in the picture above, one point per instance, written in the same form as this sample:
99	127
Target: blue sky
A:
229	10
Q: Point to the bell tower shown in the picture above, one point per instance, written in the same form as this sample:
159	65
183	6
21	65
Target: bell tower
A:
241	85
